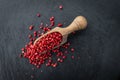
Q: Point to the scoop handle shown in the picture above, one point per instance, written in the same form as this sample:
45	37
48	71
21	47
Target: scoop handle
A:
79	23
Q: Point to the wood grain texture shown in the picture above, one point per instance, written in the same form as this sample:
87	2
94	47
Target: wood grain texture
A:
98	46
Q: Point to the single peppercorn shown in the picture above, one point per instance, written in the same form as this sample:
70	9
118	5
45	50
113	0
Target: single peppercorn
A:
31	27
60	7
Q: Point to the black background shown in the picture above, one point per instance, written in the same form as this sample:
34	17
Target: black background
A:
98	46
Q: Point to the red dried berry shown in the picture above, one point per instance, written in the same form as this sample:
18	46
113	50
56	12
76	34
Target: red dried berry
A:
38	66
35	32
60	25
60	7
58	59
64	57
41	27
61	60
72	57
38	14
49	61
52	23
31	27
52	18
38	35
66	52
30	36
68	44
23	49
72	49
48	64
54	64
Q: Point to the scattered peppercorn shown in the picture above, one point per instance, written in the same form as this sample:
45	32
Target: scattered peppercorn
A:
31	27
60	7
72	57
72	49
60	25
38	14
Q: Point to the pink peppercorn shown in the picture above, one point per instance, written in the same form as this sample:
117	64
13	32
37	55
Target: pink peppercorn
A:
30	36
58	59
54	64
35	32
72	49
60	25
72	57
52	18
52	23
61	60
31	27
48	64
60	7
23	49
66	52
64	57
38	14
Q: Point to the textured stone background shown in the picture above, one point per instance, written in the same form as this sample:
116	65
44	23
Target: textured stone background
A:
98	46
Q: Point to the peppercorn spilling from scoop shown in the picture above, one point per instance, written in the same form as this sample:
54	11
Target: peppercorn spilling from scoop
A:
39	50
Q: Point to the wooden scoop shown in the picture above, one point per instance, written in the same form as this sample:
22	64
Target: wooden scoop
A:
79	23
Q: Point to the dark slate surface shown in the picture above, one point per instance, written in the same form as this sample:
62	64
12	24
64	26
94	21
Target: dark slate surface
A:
98	46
